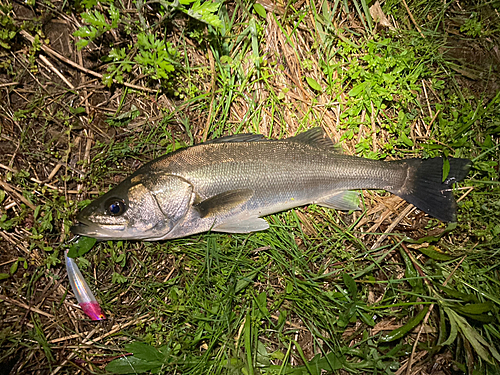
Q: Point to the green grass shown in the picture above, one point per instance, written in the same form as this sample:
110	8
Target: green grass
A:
319	290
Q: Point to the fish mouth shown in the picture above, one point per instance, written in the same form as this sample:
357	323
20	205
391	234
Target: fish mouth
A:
80	229
97	230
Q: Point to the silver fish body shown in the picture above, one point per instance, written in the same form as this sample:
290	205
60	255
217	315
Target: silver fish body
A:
227	185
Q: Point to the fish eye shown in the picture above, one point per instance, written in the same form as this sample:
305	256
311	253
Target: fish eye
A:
115	206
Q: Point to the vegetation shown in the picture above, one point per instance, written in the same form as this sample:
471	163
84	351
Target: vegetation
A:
92	89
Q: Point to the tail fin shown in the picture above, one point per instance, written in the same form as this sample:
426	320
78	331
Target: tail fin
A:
424	187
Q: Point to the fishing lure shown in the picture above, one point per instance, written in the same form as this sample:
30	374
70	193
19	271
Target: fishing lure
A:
82	291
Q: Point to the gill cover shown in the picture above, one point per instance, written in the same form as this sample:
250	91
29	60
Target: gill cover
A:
173	196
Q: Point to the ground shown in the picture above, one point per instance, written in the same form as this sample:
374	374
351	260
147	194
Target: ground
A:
92	90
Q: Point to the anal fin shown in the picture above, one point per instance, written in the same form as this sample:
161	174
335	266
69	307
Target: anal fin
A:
343	200
253	224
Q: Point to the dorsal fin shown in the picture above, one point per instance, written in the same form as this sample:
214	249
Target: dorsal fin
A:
315	137
245	137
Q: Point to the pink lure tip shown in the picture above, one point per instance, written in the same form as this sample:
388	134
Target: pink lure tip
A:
93	310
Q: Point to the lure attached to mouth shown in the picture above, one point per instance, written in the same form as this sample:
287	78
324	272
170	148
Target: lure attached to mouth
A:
82	291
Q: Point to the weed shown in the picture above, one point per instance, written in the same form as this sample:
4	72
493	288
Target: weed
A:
8	29
97	25
472	26
155	58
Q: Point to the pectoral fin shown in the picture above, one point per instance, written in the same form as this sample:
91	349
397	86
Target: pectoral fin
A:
243	226
223	202
343	200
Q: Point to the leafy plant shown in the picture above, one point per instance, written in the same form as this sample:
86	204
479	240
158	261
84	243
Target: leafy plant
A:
8	29
14	267
376	80
472	26
202	11
155	57
81	246
98	25
145	358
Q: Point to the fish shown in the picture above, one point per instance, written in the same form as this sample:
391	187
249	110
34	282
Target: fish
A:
229	184
82	291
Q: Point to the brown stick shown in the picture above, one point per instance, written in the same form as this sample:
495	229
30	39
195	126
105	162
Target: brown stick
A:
24	306
50	51
7	187
413	19
8	84
401	216
56	71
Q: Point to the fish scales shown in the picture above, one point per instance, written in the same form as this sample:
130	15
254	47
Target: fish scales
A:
278	168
